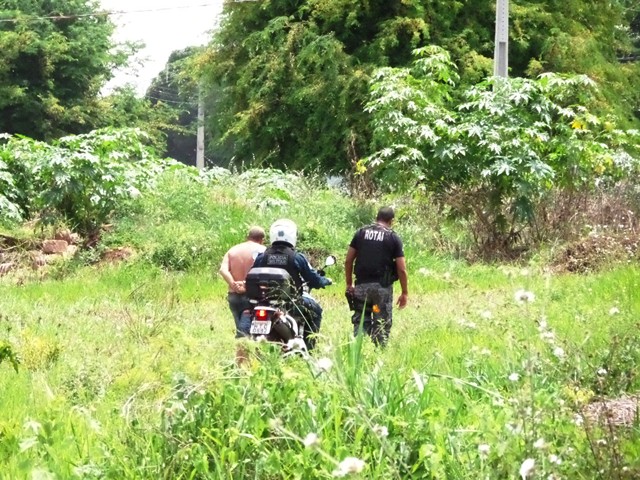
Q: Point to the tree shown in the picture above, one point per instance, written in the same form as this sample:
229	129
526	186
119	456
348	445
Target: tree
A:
123	108
289	78
173	90
55	55
494	155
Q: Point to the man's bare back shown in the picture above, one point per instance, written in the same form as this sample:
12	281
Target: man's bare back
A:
237	262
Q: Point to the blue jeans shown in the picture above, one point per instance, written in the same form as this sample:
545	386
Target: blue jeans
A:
237	304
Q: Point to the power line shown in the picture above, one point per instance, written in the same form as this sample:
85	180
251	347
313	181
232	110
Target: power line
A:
105	13
186	103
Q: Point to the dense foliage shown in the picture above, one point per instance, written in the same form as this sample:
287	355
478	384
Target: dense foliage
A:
289	79
174	91
78	180
52	69
503	143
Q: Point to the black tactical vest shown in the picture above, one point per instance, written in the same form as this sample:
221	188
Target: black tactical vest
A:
281	255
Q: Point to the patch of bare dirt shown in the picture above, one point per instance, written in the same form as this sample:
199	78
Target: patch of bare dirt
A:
591	253
19	255
119	254
620	412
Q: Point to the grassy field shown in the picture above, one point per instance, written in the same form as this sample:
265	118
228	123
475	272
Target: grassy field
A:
127	370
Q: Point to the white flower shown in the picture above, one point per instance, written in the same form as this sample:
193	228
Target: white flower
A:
558	352
548	335
539	444
447	276
275	424
32	425
522	296
424	271
349	465
324	364
381	431
527	468
614	311
513	428
261	339
602	372
486	314
485	351
311	440
555	459
514	377
484	449
542	326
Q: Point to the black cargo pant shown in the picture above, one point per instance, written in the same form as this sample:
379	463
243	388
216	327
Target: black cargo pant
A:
374	305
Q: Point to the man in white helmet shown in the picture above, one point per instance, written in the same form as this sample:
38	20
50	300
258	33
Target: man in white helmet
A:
282	254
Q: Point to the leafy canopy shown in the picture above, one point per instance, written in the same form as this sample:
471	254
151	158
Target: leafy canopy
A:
511	140
288	79
52	69
80	180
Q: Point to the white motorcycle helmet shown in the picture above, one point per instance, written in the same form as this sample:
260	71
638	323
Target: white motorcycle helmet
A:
284	230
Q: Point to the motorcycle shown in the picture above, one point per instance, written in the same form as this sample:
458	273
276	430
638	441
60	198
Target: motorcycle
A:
275	316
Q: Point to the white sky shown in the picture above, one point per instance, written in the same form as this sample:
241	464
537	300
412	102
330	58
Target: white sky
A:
168	25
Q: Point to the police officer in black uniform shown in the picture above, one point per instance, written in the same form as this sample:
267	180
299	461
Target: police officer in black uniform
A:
379	261
282	254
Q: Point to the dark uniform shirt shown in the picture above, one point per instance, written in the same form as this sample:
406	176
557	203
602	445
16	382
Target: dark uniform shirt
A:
283	256
377	248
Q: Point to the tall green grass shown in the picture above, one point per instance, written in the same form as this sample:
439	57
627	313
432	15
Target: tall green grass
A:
128	370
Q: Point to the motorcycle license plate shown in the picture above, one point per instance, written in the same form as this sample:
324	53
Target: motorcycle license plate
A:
260	327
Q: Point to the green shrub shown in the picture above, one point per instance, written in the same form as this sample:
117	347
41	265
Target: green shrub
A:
79	180
492	151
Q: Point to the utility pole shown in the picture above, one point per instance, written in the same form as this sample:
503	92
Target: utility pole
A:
200	140
501	51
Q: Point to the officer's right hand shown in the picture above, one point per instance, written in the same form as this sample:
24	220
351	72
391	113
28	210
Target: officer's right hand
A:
402	300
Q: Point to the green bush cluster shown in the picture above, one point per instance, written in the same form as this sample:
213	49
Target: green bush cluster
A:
190	219
79	180
491	152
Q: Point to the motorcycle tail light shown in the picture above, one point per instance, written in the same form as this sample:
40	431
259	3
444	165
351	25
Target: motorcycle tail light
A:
261	314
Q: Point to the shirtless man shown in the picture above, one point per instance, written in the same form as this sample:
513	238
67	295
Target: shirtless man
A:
236	263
